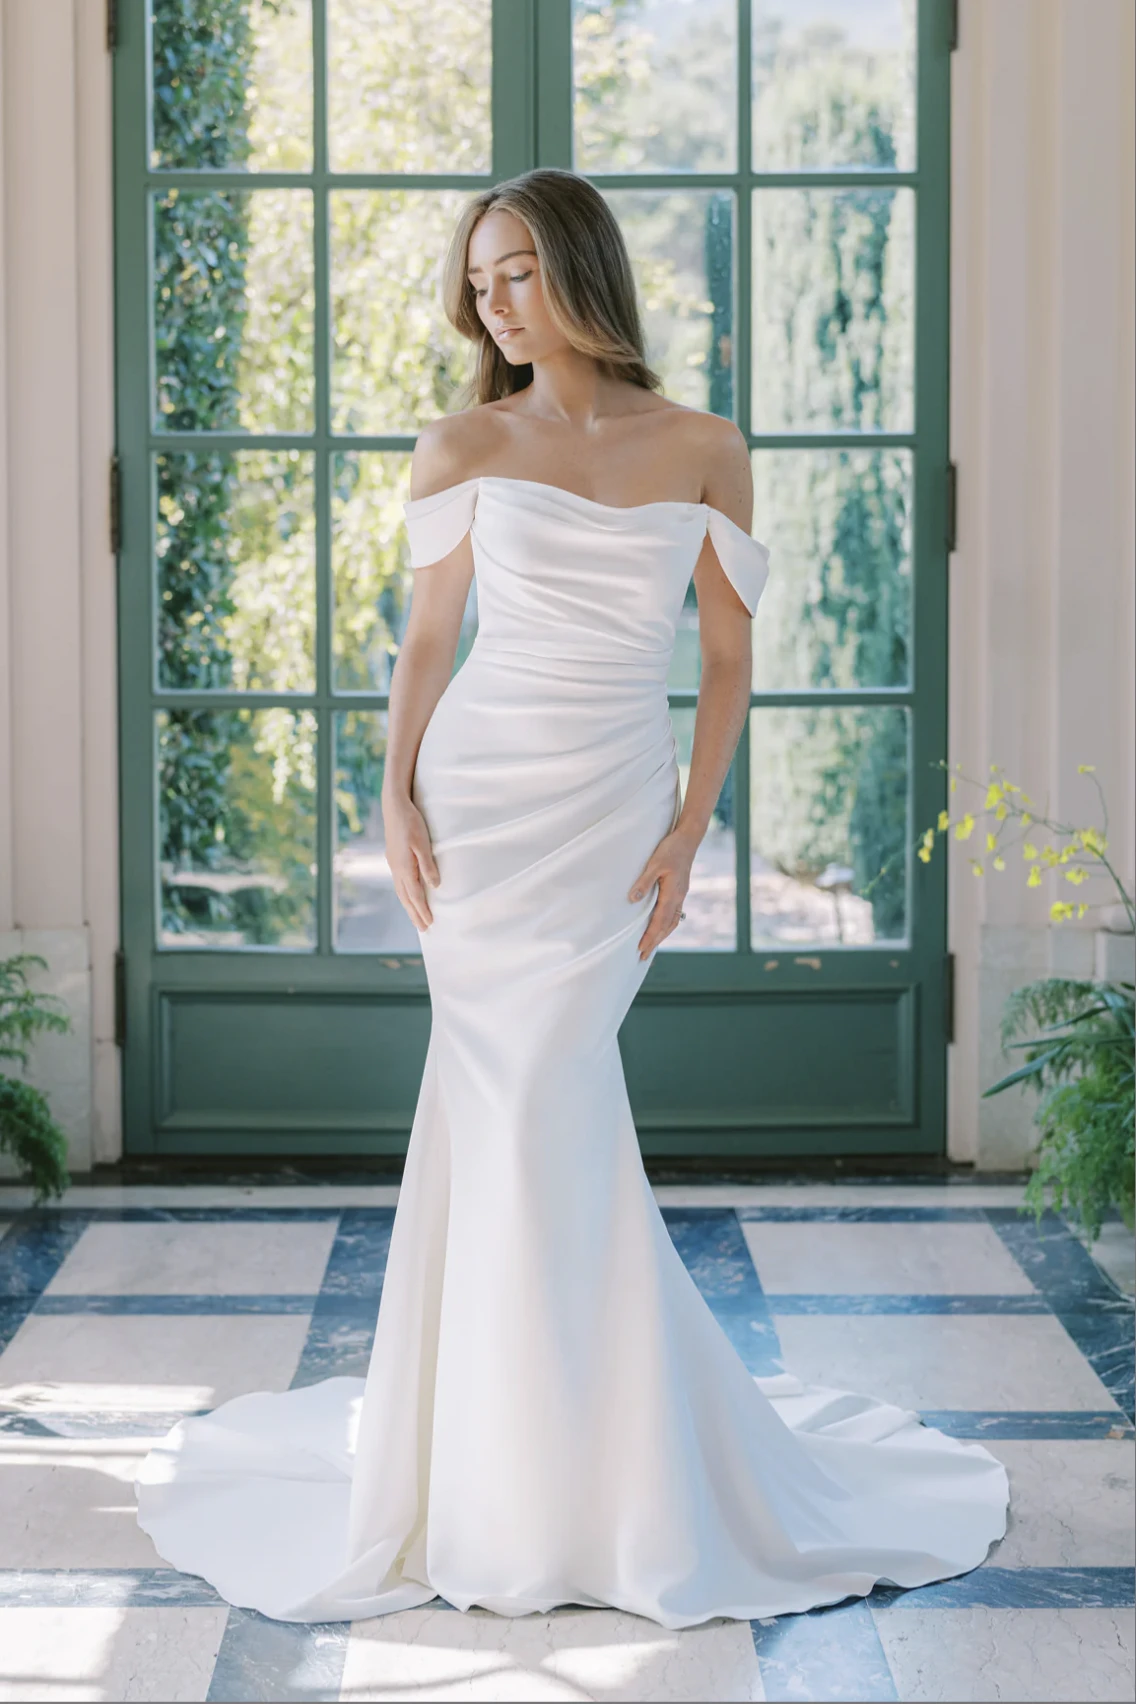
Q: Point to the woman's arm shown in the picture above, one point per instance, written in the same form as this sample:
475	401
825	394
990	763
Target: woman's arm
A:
421	675
724	630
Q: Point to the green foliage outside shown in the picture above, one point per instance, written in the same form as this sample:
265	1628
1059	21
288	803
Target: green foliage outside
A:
234	328
28	1132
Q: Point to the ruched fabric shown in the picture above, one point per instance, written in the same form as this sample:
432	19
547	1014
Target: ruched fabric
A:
551	1413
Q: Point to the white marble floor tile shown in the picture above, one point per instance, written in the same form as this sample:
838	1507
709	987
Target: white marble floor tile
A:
428	1654
147	1363
839	1195
1115	1252
1072	1502
975	1361
1016	1655
161	1259
331	1195
69	1503
108	1654
883	1259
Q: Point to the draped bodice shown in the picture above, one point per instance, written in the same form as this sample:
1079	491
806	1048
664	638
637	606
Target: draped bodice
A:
562	576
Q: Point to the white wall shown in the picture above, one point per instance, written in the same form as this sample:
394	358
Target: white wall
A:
1041	627
58	780
1041	586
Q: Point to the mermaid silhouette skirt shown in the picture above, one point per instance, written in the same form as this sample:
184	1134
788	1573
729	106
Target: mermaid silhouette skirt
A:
551	1413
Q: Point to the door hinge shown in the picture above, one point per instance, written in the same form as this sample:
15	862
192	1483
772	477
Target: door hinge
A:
120	998
952	507
949	997
111	25
115	505
953	26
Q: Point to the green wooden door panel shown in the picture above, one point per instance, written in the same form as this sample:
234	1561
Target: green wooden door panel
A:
778	1047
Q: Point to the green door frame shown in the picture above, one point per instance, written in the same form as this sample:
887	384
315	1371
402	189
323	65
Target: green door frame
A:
707	1039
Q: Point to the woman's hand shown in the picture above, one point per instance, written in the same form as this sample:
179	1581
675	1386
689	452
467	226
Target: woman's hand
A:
410	856
669	865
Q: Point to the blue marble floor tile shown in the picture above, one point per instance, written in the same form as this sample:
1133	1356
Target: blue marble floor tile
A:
1058	1266
715	1253
267	1660
863	1215
102	1588
13	1313
823	1654
882	1303
339	1340
1018	1588
1106	1341
1049	1423
173	1304
35	1248
203	1215
358	1259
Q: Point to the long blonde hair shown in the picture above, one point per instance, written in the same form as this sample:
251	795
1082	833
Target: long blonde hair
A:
585	273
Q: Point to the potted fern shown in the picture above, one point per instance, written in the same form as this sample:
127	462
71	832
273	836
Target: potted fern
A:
27	1130
1077	1038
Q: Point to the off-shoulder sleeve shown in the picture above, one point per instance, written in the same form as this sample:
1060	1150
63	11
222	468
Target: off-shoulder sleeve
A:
435	525
745	561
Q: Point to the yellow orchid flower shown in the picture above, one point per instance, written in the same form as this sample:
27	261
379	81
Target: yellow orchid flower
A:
991	841
999	862
993	794
924	853
1029	850
944	821
965	828
1026	819
1082	907
1002	812
976	867
1034	877
954	785
1060	911
1086	769
1076	877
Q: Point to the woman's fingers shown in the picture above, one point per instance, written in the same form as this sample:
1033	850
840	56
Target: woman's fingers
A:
413	900
665	915
424	853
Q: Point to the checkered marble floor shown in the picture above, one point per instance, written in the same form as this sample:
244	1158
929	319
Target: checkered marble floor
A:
122	1309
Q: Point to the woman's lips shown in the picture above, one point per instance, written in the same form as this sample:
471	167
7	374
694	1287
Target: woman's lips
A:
507	331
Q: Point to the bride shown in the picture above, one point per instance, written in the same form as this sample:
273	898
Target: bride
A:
551	1413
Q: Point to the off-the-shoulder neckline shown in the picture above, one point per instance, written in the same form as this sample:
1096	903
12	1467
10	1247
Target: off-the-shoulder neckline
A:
574	496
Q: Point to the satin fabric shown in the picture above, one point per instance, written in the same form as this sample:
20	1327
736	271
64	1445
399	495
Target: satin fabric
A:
551	1412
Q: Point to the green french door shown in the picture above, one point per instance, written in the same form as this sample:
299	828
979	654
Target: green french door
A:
287	172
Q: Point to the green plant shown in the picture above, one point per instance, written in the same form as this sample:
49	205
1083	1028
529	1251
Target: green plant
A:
27	1130
1079	1059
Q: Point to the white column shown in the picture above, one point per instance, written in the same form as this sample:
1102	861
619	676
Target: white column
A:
1042	401
58	786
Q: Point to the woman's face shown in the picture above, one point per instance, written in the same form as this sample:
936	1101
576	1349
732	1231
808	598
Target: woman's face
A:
505	275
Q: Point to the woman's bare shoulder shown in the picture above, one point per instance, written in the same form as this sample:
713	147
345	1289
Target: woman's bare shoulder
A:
719	450
452	449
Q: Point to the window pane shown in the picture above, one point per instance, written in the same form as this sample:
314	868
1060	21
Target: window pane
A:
372	576
837	610
710	924
833	320
655	85
681	244
397	363
369	917
233	305
828	807
236	570
408	86
833	84
237	792
232	85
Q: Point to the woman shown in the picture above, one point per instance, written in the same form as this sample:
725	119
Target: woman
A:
552	1414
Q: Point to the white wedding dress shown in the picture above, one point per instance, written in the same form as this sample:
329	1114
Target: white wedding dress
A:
551	1413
